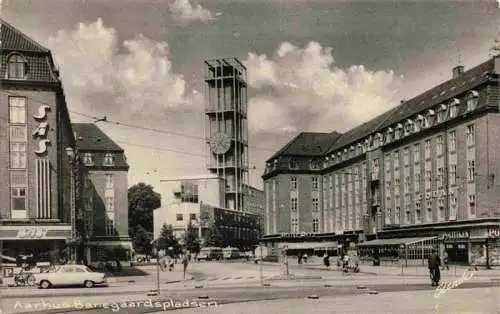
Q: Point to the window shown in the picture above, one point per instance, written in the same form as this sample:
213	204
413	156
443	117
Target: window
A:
192	217
17	67
88	159
406	156
17	110
17	155
295	225
315	205
416	153
397	215
293	164
18	199
429	119
179	217
453	109
471	170
427	149
407	216
452	141
417	182
418	212
439	147
387	216
110	203
407	184
408	127
441	208
315	183
440	174
109	181
428	175
442	113
108	160
453	207
472	205
470	135
395	157
293	183
453	174
429	211
472	101
293	204
315	225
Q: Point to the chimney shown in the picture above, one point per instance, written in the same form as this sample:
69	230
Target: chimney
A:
457	71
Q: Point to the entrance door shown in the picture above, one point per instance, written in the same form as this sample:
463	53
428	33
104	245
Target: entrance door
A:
458	253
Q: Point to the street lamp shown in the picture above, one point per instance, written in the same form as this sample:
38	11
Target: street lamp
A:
72	162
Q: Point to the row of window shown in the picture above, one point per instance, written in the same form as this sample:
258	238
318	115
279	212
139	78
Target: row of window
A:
180	217
295	225
109	160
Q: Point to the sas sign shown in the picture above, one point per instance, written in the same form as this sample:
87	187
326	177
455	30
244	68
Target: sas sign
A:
32	233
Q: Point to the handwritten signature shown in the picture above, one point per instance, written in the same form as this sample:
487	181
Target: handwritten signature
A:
445	286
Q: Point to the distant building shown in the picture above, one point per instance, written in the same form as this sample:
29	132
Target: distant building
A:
104	191
427	168
193	196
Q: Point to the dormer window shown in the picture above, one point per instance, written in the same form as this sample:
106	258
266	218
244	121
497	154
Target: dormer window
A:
388	135
378	140
359	148
108	160
454	107
314	164
429	119
397	133
353	152
293	164
420	123
408	126
339	155
17	67
88	159
442	113
472	100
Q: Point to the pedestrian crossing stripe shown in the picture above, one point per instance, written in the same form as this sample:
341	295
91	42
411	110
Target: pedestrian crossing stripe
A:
229	278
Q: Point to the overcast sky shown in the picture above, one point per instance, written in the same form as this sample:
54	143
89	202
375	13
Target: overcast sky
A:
312	65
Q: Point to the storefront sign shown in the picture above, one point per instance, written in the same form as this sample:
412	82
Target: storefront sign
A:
42	129
454	235
296	235
494	233
32	233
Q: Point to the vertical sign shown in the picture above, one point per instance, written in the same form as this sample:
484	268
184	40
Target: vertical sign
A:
42	129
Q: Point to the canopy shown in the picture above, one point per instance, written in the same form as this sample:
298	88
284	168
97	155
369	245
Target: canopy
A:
396	241
311	245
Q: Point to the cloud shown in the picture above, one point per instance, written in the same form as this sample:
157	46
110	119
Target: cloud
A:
184	10
301	89
134	76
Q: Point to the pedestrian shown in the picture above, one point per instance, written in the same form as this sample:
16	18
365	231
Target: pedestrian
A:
445	261
326	260
185	262
299	258
434	263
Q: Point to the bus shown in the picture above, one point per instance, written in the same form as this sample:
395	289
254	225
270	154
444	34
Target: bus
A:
231	252
210	253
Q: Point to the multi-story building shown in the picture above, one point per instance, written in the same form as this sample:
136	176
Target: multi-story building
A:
104	191
194	195
35	132
424	169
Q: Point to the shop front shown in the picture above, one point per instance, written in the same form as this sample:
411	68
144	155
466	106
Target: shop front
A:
456	244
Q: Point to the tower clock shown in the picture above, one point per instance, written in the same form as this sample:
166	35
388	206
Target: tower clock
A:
226	127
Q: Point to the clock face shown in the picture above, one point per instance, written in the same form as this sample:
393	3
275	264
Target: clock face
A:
220	143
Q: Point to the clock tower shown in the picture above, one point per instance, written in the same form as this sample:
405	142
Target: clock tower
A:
226	127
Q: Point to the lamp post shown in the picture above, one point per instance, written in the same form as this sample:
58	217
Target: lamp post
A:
72	163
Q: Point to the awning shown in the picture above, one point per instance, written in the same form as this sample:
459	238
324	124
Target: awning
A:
396	241
310	245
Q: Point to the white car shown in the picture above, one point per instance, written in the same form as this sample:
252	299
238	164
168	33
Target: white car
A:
70	275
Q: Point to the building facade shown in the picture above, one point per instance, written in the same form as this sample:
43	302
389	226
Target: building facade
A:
104	195
35	131
195	194
426	168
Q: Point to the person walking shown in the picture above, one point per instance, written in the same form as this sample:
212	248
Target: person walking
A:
185	262
434	263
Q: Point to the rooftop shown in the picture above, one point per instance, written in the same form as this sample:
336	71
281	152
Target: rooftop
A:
90	138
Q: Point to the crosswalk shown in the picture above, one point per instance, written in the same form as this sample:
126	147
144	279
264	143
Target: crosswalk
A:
230	278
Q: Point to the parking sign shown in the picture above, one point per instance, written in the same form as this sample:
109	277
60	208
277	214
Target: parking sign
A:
8	272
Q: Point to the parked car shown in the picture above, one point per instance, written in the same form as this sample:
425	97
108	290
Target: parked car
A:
210	253
70	275
231	253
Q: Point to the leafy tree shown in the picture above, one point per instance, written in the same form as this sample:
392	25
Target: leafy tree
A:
142	200
214	237
167	239
142	240
191	239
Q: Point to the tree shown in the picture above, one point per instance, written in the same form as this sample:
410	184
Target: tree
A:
191	239
167	239
142	200
142	240
214	237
